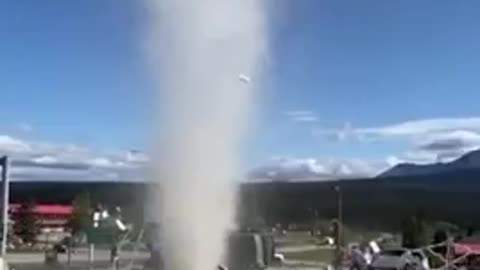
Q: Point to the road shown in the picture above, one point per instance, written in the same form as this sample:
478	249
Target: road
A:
128	260
79	260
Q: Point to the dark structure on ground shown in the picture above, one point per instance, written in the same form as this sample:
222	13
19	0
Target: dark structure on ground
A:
249	249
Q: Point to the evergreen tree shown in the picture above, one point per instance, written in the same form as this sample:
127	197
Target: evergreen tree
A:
440	236
415	232
26	225
470	231
81	219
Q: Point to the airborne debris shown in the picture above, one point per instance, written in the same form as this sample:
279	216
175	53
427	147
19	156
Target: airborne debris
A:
244	78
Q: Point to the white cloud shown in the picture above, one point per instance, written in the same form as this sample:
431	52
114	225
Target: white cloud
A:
450	140
46	159
305	118
244	78
311	169
49	174
52	161
442	146
416	129
429	140
345	133
343	169
394	160
426	141
415	156
425	126
108	163
137	156
9	144
20	173
309	164
101	162
301	116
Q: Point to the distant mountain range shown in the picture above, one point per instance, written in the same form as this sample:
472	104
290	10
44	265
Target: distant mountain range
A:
310	170
470	161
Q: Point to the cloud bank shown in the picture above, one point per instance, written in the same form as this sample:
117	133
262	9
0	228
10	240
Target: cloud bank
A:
428	141
314	169
301	116
40	161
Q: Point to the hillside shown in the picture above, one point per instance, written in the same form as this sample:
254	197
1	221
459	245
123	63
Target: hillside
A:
468	161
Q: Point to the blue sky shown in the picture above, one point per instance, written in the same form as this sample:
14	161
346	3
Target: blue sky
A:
339	74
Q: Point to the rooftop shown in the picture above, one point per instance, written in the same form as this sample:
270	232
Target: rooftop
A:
47	209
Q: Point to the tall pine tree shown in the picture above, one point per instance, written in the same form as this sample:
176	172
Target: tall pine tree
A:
27	225
81	219
415	231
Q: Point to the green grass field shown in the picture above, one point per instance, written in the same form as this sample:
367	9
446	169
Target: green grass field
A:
301	239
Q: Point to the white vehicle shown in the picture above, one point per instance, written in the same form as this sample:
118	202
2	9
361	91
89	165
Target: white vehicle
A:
279	258
400	259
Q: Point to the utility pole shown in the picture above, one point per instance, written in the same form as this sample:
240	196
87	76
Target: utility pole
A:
339	227
448	255
5	189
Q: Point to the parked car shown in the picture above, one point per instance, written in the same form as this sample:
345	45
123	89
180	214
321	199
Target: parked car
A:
399	259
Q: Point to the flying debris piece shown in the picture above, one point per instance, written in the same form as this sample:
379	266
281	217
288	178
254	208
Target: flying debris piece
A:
222	267
96	216
374	246
244	78
120	225
280	257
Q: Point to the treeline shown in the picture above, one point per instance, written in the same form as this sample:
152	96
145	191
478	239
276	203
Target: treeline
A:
380	204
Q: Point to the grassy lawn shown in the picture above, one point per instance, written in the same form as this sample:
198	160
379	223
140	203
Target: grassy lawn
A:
289	243
319	255
296	239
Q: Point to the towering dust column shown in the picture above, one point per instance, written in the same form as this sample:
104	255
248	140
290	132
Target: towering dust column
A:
207	52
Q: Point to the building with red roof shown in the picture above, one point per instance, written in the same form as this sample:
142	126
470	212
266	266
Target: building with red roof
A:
50	216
